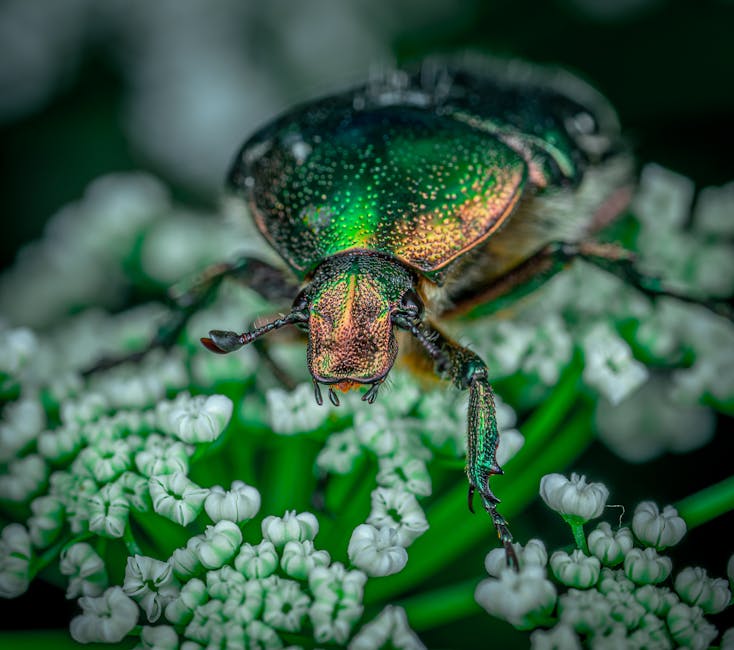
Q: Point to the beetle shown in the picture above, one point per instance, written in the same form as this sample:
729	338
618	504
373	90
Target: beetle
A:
421	195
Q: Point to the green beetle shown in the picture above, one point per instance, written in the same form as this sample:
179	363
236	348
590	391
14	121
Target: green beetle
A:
422	195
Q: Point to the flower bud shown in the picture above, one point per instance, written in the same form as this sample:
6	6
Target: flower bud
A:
106	619
694	587
176	497
574	499
198	419
575	570
689	628
86	570
290	527
376	551
389	629
299	558
285	606
219	545
240	504
610	546
181	609
257	561
159	637
532	554
657	529
15	560
656	600
108	511
47	520
645	566
398	509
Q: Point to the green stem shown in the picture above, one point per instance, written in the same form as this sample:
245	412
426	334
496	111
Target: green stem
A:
132	546
578	535
440	606
709	503
458	531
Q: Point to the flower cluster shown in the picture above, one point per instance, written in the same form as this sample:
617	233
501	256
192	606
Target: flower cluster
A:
616	589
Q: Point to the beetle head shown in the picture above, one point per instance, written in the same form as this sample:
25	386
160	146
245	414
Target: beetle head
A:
353	301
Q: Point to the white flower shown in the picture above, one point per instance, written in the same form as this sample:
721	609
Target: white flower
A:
286	606
625	609
511	442
135	490
560	637
198	419
615	580
523	598
295	411
162	455
655	528
376	551
532	554
16	349
663	198
575	570
47	520
106	619
340	453
86	570
181	609
151	583
88	407
106	460
257	561
689	628
22	421
608	545
389	629
333	620
378	431
588	612
25	478
108	511
60	444
299	558
15	559
403	470
694	587
645	566
219	544
549	350
656	600
335	583
400	510
290	527
609	365
239	504
176	497
159	637
574	499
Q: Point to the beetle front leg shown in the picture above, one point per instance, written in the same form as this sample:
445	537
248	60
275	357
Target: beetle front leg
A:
468	372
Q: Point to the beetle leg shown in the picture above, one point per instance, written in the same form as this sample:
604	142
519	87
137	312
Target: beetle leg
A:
540	267
468	372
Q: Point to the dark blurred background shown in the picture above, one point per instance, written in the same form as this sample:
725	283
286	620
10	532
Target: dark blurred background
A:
174	86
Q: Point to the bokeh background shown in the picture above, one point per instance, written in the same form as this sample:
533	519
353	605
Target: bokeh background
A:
174	86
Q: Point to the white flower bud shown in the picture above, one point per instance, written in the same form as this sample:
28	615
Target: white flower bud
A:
404	472
608	545
285	606
17	347
219	545
389	629
587	612
574	499
60	444
240	504
108	511
106	619
625	609
185	561
257	561
299	558
86	408
689	628
160	637
295	411
86	570
290	527
615	580
47	520
400	510
106	460
334	620
645	566
657	529
376	551
340	453
176	497
656	600
694	587
560	637
523	598
22	421
199	419
511	442
24	479
334	583
575	570
134	488
162	455
181	609
151	583
15	559
532	554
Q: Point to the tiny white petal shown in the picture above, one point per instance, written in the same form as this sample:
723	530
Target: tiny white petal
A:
694	587
574	498
108	618
398	509
239	504
390	629
645	566
575	570
689	628
532	554
376	552
657	529
608	545
176	497
291	526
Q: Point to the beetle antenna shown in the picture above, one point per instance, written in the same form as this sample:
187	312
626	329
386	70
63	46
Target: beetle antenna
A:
222	342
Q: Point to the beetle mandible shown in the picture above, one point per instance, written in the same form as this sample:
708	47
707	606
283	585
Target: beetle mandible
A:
419	196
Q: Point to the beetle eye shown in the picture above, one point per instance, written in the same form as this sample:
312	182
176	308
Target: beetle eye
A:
411	303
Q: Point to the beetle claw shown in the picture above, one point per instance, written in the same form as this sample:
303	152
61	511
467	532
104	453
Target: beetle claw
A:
317	393
333	397
371	395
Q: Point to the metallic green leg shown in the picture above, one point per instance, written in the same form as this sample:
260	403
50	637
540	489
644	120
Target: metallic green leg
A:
467	371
